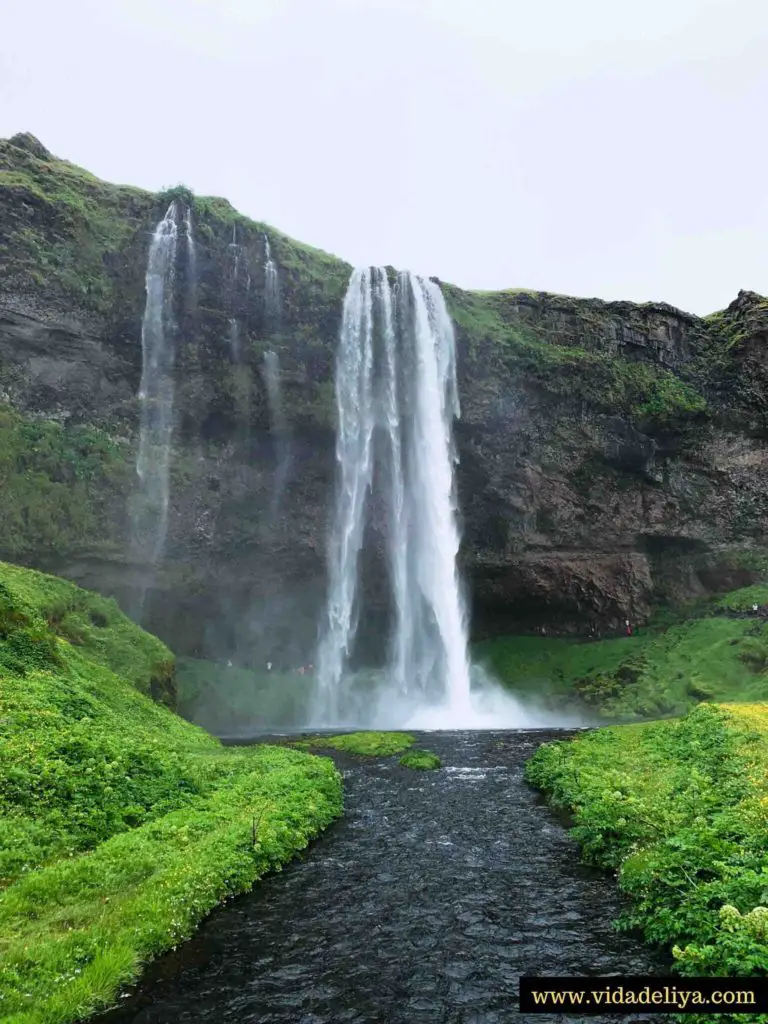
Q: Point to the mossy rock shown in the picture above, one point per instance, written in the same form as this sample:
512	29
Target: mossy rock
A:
420	760
368	744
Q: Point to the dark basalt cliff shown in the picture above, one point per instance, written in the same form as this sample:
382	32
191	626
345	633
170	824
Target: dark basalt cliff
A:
612	454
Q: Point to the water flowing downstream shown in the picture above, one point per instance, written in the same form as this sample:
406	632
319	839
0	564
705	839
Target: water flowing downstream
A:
150	503
396	374
423	905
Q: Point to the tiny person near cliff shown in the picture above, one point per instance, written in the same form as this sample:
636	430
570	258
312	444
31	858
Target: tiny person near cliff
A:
628	627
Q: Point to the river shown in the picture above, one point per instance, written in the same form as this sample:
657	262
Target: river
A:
422	905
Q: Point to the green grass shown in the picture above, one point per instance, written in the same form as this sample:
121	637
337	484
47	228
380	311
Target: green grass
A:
121	824
657	673
421	760
79	223
742	600
368	744
680	810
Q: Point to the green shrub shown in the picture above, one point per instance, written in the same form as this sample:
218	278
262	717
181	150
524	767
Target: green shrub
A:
368	744
680	809
421	760
121	825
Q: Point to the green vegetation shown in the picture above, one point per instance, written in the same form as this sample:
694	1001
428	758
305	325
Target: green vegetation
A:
368	744
121	825
61	226
55	485
660	672
578	366
743	600
680	810
421	760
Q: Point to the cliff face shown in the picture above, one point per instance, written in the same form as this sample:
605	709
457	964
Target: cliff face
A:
612	454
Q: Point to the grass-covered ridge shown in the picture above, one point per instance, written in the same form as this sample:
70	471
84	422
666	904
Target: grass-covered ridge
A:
577	365
121	825
680	809
67	234
719	656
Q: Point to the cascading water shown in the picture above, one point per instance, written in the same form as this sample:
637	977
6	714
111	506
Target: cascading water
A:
150	508
354	456
436	662
396	373
191	251
279	427
271	286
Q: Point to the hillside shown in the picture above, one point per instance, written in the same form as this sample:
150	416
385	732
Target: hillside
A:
121	825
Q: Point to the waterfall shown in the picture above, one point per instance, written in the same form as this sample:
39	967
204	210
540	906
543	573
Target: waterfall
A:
437	663
354	457
150	506
279	428
191	249
233	337
236	251
396	374
271	286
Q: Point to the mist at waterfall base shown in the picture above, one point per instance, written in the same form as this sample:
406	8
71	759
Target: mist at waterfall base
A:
397	398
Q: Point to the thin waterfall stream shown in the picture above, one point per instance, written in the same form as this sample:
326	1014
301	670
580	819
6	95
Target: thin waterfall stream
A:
149	512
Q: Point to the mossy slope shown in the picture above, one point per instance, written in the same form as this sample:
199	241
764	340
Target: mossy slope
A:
660	671
57	485
121	825
680	809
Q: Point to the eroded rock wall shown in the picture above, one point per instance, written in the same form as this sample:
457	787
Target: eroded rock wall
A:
611	454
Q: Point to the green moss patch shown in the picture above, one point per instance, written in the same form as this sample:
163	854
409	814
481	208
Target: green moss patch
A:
680	810
655	673
744	599
55	487
644	392
421	760
121	825
369	744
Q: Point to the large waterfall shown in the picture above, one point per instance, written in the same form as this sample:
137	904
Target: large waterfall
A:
150	505
396	377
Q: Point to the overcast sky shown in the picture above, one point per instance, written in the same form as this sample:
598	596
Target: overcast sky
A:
615	148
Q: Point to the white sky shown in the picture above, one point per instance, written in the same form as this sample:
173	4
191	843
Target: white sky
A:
616	148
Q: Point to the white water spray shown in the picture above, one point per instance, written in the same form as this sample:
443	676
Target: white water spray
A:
189	238
271	285
150	510
436	661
